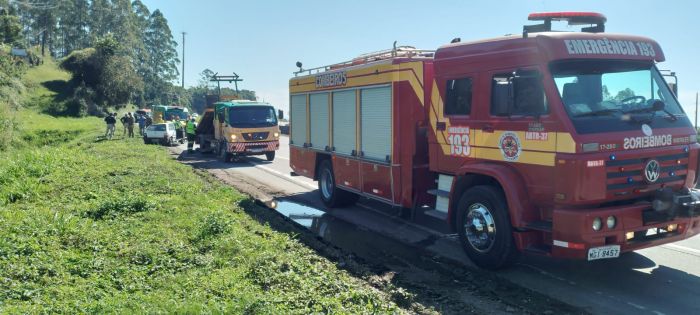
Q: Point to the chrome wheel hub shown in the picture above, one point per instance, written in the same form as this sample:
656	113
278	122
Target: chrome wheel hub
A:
480	228
327	183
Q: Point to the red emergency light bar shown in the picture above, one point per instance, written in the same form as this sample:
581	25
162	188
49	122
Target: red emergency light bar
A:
572	18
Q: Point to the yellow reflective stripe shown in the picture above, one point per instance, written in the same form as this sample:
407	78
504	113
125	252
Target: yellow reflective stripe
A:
565	143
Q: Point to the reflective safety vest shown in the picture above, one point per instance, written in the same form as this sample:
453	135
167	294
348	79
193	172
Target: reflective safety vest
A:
190	128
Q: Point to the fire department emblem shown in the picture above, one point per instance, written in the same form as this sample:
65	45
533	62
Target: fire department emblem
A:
510	146
652	171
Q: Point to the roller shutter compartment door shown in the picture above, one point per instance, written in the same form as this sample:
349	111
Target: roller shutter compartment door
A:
297	120
376	123
344	122
318	115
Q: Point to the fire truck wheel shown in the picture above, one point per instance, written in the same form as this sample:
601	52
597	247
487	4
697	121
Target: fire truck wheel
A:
484	228
270	156
332	196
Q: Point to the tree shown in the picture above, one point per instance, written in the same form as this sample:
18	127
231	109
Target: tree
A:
624	94
161	67
73	17
100	18
10	28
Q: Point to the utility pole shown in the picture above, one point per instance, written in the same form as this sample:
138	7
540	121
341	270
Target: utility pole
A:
183	59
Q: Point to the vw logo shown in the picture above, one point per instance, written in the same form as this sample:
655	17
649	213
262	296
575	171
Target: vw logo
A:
652	171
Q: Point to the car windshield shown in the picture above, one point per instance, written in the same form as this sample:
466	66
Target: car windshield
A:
252	116
604	96
157	127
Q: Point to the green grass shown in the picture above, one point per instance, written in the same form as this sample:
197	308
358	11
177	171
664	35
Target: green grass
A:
118	226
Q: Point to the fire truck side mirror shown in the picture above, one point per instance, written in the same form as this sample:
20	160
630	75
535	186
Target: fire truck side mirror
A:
220	116
674	88
280	114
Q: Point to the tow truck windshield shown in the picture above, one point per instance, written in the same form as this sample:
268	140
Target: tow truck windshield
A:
605	96
252	117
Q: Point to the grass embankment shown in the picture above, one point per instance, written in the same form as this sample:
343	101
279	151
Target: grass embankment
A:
119	226
89	226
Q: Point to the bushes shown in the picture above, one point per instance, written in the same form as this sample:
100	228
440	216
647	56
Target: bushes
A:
100	78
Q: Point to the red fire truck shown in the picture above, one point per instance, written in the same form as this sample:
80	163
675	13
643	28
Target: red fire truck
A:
567	144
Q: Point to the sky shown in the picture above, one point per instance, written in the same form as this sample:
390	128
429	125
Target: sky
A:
262	40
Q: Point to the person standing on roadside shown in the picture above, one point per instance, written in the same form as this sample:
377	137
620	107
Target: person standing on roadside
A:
124	123
130	124
142	124
191	130
110	120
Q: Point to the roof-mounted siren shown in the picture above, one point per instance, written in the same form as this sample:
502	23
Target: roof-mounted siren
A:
595	20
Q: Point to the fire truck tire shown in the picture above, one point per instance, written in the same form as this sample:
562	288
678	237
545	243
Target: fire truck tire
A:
331	195
484	228
270	156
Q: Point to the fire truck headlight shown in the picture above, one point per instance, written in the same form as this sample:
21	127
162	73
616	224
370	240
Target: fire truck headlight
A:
611	222
276	134
233	137
597	224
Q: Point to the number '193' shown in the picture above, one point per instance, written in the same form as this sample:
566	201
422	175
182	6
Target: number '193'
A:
459	144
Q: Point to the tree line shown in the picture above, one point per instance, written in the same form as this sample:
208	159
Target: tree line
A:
118	51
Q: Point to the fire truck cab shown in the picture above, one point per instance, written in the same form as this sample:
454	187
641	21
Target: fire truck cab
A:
566	144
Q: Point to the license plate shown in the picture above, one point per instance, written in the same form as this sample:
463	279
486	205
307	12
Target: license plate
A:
604	252
255	150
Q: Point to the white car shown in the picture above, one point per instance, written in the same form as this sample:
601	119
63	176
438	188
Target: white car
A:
160	133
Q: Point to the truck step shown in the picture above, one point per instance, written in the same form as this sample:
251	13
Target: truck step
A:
436	214
541	249
544	226
439	193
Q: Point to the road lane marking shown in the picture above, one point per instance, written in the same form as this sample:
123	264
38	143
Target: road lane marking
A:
282	175
683	249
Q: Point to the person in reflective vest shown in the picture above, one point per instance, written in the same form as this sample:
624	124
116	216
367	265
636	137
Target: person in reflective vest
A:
191	130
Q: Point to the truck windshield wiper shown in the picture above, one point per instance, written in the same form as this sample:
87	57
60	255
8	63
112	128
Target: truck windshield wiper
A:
659	106
601	112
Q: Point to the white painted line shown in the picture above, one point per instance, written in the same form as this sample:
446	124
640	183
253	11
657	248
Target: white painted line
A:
282	175
282	157
637	306
686	250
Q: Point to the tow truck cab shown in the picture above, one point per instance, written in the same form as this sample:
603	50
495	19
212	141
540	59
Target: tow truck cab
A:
566	144
244	128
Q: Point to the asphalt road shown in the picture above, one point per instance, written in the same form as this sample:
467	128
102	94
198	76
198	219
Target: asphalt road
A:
659	280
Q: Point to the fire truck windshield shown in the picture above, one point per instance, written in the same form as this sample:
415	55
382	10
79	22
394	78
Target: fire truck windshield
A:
614	95
252	117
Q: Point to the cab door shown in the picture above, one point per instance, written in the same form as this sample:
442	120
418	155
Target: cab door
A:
455	128
519	128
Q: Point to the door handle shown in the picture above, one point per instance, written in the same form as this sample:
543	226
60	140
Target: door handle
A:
488	128
441	126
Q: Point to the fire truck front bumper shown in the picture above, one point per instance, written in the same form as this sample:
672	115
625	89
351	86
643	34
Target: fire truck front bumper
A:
600	233
253	148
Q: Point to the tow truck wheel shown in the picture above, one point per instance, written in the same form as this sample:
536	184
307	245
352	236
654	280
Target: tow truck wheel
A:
331	195
484	228
270	156
223	155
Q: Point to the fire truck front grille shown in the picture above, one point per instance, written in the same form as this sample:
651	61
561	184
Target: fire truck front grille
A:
253	136
629	173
